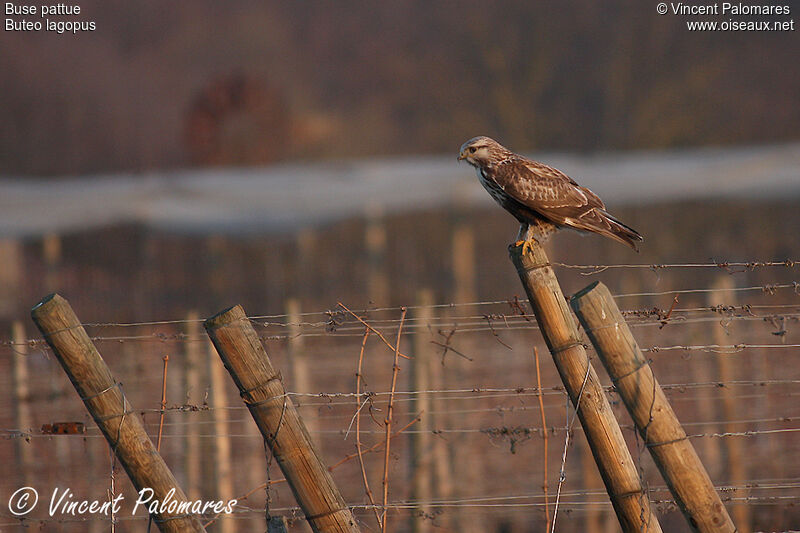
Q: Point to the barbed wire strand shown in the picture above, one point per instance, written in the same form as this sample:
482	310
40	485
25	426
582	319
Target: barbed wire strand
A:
769	288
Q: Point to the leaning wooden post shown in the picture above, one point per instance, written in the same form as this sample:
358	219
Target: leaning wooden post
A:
650	410
602	431
109	407
261	387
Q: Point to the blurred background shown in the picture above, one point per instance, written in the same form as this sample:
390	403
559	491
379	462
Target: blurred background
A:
289	156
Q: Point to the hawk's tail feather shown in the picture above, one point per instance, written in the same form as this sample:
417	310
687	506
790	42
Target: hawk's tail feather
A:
620	232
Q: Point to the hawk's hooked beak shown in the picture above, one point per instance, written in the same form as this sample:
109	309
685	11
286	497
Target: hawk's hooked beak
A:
462	156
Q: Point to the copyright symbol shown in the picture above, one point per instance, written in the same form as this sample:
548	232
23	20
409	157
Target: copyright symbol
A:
661	8
23	501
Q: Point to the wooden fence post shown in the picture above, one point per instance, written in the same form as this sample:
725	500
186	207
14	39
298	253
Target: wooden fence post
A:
222	441
650	410
727	371
298	360
192	369
51	250
602	431
378	288
421	446
702	370
22	406
464	276
472	475
11	277
261	387
109	407
441	449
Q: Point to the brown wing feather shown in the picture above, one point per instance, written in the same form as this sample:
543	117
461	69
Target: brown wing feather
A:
558	198
544	188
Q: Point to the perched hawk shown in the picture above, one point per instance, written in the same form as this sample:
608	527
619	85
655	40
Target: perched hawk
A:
542	198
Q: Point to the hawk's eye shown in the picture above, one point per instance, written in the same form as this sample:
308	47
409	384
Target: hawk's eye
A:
472	149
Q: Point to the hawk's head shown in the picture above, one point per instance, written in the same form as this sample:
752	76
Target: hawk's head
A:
482	151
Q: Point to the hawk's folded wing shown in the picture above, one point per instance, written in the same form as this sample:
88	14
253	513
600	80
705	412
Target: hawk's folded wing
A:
544	189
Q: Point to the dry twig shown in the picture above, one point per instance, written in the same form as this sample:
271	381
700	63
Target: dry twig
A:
488	319
378	333
375	447
358	427
161	418
665	320
448	348
163	402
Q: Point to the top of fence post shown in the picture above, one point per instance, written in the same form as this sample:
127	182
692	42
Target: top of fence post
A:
261	387
104	399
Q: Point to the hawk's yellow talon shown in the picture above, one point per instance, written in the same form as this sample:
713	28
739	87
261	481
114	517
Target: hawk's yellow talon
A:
527	246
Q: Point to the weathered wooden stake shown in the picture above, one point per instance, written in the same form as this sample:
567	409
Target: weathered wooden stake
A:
51	250
375	239
441	448
51	255
300	374
222	441
11	277
464	276
703	370
419	377
112	412
602	431
731	409
650	410
22	406
261	387
471	471
192	370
